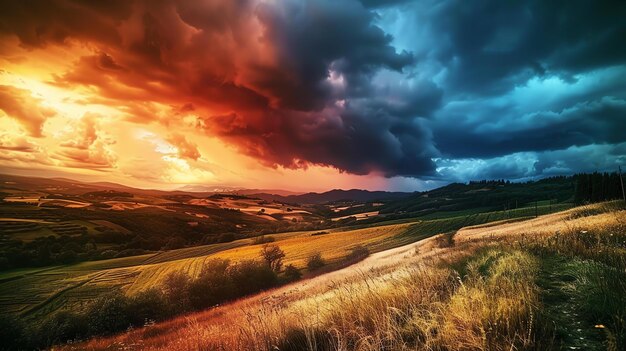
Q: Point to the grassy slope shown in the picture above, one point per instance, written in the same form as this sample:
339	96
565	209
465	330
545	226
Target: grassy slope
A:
39	293
25	290
415	298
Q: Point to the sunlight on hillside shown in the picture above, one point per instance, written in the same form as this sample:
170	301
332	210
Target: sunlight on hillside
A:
486	289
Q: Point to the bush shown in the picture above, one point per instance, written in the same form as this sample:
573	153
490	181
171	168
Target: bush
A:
445	240
292	273
12	333
358	252
315	262
219	281
109	314
148	305
176	291
250	277
263	240
67	257
212	286
62	327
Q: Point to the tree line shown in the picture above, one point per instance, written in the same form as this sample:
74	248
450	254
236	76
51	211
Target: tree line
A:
596	187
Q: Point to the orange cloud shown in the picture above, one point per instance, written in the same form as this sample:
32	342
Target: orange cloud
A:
27	110
186	149
249	74
86	147
17	144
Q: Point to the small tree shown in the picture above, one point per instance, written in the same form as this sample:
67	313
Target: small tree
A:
273	256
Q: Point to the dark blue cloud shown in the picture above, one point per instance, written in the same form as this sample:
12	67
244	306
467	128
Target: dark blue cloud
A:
487	47
523	83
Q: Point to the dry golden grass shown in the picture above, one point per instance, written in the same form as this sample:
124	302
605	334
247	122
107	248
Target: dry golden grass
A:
71	287
407	298
298	247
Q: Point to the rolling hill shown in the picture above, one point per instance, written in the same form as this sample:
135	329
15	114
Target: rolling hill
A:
353	195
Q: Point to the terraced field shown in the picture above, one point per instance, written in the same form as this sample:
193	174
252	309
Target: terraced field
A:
29	227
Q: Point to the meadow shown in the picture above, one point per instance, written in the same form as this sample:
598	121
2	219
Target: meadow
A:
549	283
35	293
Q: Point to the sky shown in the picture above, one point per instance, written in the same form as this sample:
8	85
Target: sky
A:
311	95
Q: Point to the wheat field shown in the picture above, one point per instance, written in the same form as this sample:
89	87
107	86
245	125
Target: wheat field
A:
477	291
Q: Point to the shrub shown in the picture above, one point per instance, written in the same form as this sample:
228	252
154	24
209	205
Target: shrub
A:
176	291
12	333
445	240
108	314
315	262
67	257
358	252
61	327
263	240
250	277
292	273
212	286
148	305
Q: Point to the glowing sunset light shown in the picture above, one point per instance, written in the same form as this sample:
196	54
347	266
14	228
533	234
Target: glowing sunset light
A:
305	95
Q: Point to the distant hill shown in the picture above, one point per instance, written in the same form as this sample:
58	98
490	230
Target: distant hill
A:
75	187
235	190
198	188
488	195
335	195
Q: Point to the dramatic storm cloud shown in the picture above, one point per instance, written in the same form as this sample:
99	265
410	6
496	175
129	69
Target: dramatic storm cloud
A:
430	90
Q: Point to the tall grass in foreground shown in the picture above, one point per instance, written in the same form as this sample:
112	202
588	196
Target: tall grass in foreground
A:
596	266
493	307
